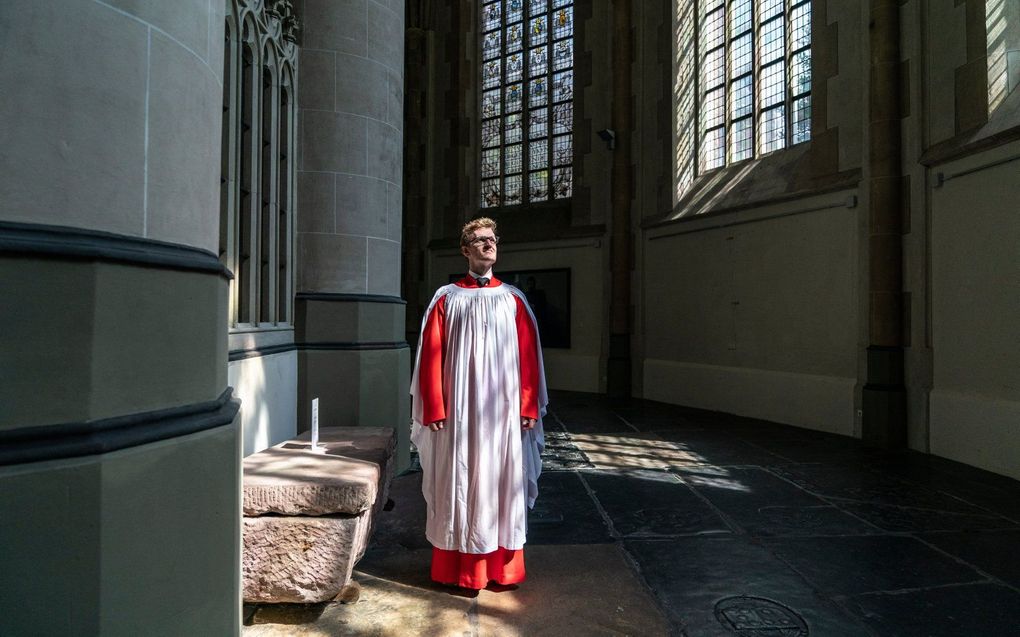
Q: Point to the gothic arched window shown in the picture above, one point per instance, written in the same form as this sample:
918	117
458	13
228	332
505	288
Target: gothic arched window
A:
526	107
257	198
742	83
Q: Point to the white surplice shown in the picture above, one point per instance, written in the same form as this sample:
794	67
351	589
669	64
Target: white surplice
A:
480	472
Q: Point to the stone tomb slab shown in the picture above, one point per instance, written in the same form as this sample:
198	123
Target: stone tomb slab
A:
290	479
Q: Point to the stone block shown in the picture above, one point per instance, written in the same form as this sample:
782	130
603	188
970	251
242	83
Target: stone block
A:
301	559
349	478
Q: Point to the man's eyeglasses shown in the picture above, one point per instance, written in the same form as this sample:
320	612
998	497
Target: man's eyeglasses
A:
480	241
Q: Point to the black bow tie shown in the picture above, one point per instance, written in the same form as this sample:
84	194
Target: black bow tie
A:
482	281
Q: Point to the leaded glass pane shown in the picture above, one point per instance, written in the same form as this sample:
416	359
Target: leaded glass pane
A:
538	91
490	16
563	118
563	54
539	62
801	120
538	185
772	85
563	86
742	57
490	163
741	97
563	22
800	74
490	193
769	9
714	71
714	33
514	38
538	123
563	152
512	129
512	158
741	140
562	183
514	10
772	129
713	108
800	21
560	3
713	153
538	6
740	17
538	156
772	39
513	190
514	67
513	98
490	45
490	74
490	133
539	29
490	104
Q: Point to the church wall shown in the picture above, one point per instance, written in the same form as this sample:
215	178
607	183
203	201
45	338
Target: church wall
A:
267	388
119	441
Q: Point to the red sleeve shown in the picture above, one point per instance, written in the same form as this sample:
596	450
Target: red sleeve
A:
430	365
527	346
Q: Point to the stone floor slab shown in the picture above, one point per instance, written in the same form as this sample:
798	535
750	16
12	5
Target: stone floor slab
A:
652	503
854	565
980	609
994	552
692	575
564	513
626	451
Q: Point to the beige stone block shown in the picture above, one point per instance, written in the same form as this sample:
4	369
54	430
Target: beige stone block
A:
316	194
361	206
317	85
290	479
335	26
383	267
333	142
383	152
362	86
185	105
185	20
301	559
331	263
72	147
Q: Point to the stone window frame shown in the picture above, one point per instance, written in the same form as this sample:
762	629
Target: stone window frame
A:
689	159
258	197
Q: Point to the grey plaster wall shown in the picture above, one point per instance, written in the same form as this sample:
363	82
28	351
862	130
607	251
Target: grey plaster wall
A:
351	119
110	108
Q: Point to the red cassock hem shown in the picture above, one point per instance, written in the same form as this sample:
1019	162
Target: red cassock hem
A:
470	570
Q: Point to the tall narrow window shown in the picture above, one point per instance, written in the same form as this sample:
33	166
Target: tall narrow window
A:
742	84
527	114
257	183
1002	36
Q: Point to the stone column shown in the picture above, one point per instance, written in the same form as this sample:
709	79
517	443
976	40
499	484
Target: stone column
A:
349	316
621	239
119	452
884	396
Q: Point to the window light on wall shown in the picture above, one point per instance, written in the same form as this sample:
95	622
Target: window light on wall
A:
742	84
526	106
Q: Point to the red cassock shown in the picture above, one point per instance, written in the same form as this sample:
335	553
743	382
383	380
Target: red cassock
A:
479	369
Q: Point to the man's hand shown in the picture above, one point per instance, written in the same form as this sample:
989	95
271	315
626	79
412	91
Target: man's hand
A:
436	426
528	423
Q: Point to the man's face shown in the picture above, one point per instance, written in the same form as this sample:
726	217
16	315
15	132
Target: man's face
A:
481	251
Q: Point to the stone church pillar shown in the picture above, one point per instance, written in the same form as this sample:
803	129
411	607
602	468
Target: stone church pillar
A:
119	451
349	315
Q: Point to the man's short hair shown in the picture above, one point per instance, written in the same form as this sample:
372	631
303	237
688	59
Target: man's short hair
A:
467	233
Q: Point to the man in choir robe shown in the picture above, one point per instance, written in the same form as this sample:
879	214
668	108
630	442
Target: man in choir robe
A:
478	398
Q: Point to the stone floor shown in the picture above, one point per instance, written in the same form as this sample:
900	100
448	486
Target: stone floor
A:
663	520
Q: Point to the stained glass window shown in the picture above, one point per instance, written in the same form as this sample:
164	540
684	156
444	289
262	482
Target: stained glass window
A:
527	113
742	87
